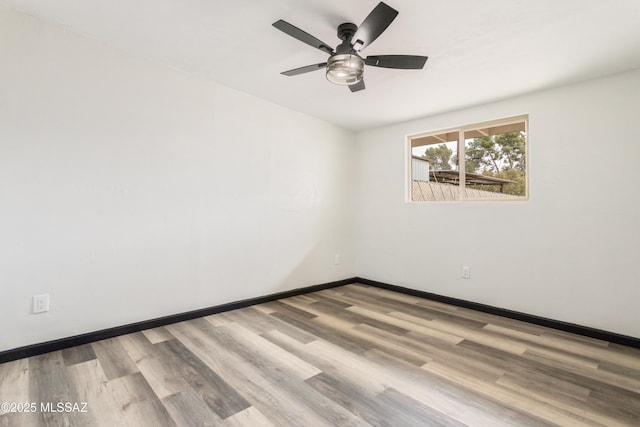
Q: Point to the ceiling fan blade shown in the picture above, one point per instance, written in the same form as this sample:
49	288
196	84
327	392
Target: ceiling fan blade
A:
403	62
373	25
304	37
357	86
303	70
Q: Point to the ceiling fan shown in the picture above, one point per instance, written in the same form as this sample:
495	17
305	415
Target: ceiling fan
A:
345	66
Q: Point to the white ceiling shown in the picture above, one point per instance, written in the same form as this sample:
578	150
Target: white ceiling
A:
478	50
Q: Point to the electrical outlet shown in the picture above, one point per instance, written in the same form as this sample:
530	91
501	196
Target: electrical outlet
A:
336	259
466	272
40	303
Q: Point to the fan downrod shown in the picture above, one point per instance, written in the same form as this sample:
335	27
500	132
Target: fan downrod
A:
346	31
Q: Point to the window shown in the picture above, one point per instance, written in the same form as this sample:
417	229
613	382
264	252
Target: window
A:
485	161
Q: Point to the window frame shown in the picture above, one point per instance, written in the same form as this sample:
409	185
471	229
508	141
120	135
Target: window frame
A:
461	152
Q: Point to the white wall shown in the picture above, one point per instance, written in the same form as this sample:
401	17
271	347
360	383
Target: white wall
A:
129	191
570	253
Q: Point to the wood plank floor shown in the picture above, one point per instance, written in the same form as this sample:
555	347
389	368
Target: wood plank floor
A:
348	356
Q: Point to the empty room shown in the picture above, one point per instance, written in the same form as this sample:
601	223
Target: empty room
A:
319	213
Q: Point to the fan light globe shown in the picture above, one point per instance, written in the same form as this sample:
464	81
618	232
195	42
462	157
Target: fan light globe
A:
345	69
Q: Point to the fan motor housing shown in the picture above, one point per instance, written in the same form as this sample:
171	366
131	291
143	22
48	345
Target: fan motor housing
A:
346	32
